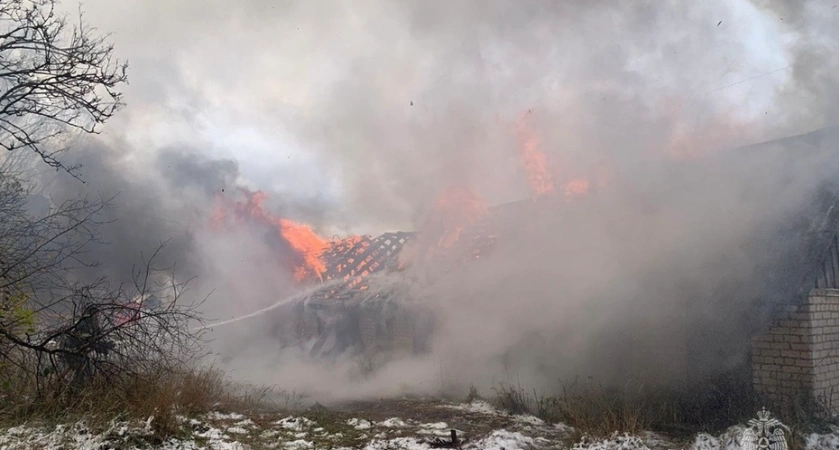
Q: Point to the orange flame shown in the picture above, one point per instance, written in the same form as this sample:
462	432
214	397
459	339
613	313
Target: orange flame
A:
533	158
308	246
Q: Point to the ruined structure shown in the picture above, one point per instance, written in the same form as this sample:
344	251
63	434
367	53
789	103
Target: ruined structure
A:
358	308
791	325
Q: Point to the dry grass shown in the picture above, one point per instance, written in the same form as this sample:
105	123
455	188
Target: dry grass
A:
591	409
598	411
163	396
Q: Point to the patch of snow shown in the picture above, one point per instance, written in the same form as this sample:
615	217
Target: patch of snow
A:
295	423
300	435
401	443
80	437
215	415
729	440
299	444
359	424
529	419
440	429
705	441
393	422
477	406
244	423
502	440
562	427
615	442
237	430
816	441
211	434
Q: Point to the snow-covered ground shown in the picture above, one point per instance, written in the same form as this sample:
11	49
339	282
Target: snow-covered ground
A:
478	426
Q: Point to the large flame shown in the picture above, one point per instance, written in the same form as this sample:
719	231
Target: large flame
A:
308	246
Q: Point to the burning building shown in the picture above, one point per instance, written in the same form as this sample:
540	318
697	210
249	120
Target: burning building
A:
776	330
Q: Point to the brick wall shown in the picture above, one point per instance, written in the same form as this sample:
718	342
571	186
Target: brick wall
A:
797	357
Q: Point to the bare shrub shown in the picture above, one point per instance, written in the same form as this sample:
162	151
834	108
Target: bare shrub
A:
68	346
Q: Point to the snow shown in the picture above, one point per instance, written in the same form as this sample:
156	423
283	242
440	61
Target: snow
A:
503	440
79	437
563	428
529	420
816	441
393	422
220	416
401	443
298	444
359	424
244	423
511	432
616	442
477	406
729	440
295	423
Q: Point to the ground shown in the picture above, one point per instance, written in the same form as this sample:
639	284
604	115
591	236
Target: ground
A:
409	424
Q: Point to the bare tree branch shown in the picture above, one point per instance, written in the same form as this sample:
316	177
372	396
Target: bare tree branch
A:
57	331
53	78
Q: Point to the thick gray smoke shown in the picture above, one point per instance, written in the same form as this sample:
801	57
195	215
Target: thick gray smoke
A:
358	116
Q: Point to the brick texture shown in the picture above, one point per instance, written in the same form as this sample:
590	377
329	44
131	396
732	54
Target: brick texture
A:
797	357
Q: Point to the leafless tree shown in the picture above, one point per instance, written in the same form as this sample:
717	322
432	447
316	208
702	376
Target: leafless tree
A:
58	332
54	77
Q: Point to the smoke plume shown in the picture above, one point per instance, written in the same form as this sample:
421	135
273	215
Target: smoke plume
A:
357	117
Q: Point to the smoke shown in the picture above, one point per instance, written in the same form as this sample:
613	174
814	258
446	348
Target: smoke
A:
811	94
358	116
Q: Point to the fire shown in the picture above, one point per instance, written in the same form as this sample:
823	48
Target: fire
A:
534	160
456	209
452	214
536	165
308	246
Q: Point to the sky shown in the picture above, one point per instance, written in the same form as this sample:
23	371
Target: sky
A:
238	78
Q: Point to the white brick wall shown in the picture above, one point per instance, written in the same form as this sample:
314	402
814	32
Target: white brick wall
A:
797	357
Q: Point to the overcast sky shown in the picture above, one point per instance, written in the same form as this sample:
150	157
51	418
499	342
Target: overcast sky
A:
256	81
